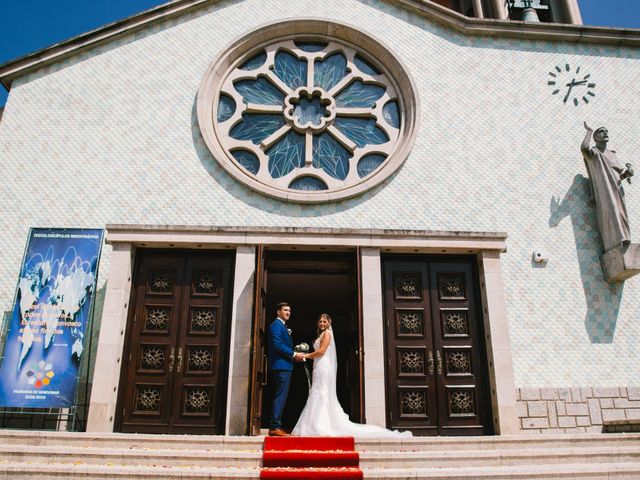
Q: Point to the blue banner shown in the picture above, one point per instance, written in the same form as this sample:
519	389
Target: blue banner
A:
45	340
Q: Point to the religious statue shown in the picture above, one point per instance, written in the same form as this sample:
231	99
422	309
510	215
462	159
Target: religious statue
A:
606	174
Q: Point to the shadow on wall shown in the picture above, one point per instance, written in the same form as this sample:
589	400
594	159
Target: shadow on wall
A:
602	298
87	367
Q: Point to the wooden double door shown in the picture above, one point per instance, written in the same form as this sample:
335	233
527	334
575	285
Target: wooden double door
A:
174	372
437	381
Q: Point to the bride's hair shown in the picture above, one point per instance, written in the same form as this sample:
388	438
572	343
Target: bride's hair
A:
327	317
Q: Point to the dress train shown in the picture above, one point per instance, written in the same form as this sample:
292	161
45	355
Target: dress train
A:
323	415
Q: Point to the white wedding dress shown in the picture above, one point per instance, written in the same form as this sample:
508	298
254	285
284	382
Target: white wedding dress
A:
323	415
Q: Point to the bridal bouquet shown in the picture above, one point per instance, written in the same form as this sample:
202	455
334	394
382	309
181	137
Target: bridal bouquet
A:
304	348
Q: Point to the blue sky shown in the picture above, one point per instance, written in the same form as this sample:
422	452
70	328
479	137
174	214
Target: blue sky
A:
30	25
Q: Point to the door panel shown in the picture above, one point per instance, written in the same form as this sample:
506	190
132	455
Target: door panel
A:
176	368
457	341
153	334
202	347
259	373
436	372
412	391
355	360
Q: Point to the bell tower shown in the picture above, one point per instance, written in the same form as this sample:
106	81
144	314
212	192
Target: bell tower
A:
546	11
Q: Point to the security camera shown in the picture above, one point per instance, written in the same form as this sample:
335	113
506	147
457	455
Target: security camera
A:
539	257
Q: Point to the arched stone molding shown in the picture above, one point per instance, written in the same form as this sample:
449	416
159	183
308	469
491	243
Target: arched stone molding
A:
308	111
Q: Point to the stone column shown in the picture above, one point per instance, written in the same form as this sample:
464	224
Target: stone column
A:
477	8
499	9
240	342
108	362
373	336
496	329
573	12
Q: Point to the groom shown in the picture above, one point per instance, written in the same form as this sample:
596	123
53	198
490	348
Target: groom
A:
281	358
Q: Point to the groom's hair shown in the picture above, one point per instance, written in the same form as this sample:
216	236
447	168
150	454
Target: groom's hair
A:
280	305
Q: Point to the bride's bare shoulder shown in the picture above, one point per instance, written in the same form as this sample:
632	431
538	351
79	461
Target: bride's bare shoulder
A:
326	333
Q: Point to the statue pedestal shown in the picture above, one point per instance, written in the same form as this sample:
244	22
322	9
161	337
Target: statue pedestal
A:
621	263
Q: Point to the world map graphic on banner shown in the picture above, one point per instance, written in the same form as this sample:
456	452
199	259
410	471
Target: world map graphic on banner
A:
46	336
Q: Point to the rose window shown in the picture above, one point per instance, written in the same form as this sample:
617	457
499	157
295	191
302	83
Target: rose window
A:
307	119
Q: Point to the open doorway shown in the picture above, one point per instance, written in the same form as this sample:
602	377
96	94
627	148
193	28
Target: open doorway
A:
315	283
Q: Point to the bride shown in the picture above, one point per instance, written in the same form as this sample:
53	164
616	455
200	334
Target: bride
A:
323	415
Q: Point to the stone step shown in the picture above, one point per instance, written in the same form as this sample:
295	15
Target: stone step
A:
57	455
393	459
328	473
131	440
503	442
206	458
43	470
245	443
606	471
508	457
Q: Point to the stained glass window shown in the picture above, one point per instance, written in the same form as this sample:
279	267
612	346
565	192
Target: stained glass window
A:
290	70
286	155
330	156
256	127
259	91
310	46
330	71
369	164
391	114
359	94
365	66
308	184
226	108
248	160
362	131
307	115
254	62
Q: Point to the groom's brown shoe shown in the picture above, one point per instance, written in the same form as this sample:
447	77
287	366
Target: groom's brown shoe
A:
278	432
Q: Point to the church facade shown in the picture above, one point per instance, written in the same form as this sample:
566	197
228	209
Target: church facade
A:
414	172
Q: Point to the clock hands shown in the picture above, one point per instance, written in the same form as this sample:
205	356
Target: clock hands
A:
562	74
572	84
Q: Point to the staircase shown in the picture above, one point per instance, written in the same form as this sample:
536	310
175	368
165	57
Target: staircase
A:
304	458
549	457
61	455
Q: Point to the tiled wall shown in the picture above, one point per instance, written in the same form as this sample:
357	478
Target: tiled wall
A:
111	136
575	410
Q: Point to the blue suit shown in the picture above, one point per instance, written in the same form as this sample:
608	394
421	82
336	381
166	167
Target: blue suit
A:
280	366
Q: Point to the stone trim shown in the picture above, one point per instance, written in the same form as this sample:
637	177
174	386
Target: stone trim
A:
413	241
239	373
107	365
375	404
498	344
432	11
575	410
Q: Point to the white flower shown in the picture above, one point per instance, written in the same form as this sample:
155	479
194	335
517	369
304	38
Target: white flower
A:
289	330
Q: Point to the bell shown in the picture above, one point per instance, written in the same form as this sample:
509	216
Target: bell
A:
530	15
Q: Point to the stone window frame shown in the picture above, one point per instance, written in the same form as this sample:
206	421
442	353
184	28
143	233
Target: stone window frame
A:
353	40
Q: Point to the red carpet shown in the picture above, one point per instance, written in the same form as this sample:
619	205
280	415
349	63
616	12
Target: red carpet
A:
310	458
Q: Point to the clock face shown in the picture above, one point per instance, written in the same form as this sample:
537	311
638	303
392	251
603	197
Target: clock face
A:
571	84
